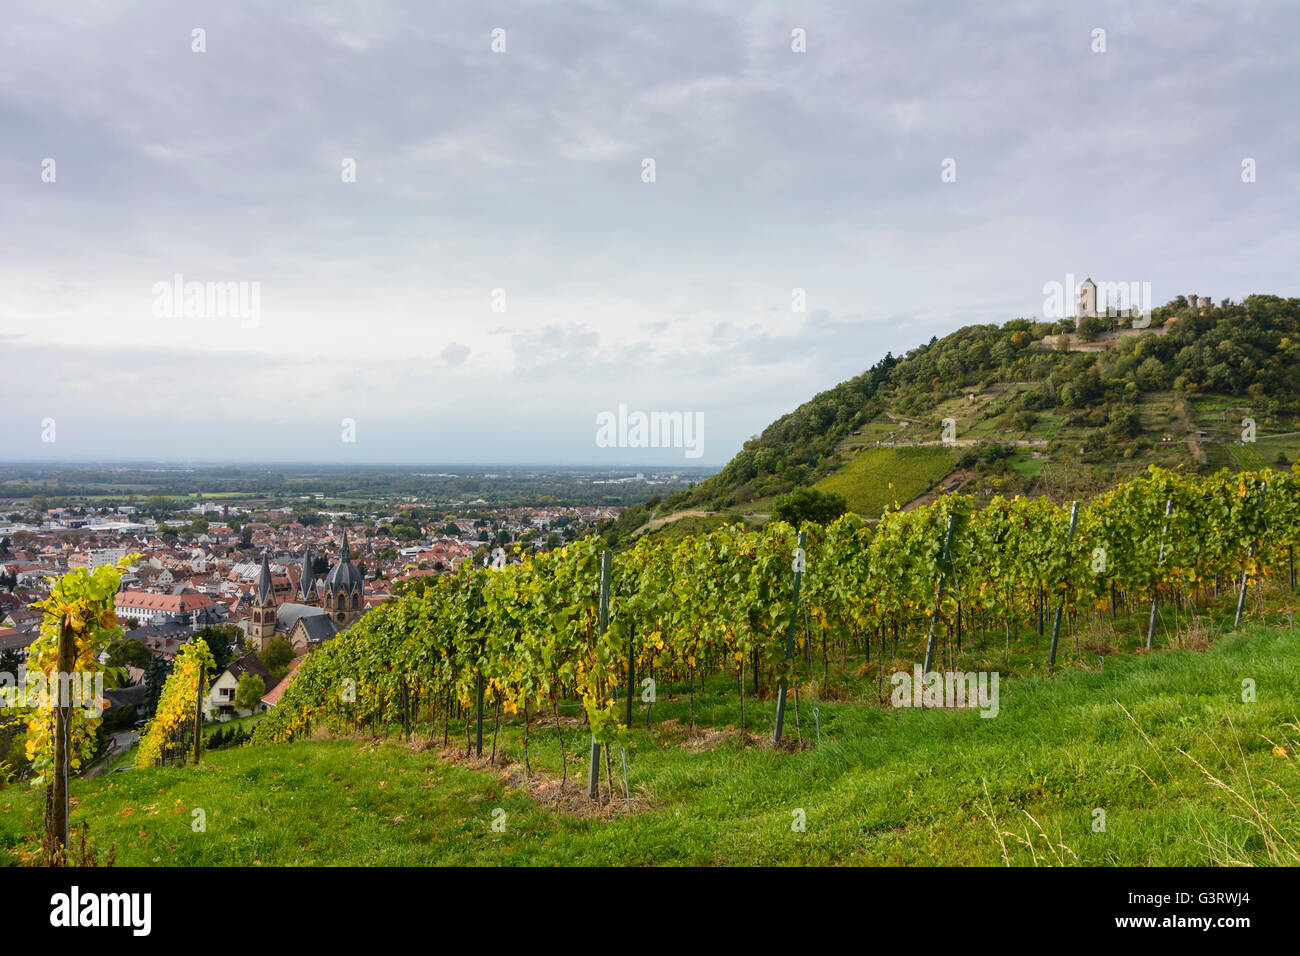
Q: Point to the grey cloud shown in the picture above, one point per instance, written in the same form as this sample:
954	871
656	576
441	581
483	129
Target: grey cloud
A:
522	171
455	354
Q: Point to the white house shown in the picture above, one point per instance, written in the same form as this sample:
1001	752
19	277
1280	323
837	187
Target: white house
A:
219	704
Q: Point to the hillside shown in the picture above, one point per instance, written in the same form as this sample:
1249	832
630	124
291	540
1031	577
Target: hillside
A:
1037	408
887	786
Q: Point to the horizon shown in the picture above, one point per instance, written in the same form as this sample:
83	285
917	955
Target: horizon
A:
251	463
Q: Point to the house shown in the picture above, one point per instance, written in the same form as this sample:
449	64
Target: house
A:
150	608
12	639
23	619
132	696
163	640
219	704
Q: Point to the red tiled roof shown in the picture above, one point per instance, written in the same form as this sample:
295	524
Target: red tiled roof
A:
144	601
275	693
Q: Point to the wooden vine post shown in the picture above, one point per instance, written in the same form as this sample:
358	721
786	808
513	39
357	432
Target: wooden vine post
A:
1155	596
1056	621
593	772
631	671
199	681
478	715
61	772
798	564
938	598
1245	572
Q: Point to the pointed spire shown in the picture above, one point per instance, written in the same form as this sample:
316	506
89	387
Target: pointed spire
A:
265	589
346	555
305	585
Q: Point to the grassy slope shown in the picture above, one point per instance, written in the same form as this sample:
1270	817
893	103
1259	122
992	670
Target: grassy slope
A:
865	480
887	786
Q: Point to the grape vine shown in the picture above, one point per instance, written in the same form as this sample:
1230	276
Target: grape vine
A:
722	599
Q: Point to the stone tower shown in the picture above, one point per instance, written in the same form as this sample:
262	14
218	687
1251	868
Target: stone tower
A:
262	627
1087	308
344	589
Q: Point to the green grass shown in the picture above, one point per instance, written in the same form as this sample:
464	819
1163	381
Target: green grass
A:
865	478
886	786
242	723
1025	464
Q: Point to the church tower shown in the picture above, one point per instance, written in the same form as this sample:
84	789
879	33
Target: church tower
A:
307	583
262	627
343	589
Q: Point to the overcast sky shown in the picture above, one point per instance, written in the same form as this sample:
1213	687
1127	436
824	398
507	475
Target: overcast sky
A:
523	171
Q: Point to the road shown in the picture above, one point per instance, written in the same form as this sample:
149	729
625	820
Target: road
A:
119	743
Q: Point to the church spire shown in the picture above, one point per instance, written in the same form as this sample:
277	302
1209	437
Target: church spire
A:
306	586
346	554
265	589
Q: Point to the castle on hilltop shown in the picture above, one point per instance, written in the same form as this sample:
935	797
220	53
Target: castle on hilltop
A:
1114	300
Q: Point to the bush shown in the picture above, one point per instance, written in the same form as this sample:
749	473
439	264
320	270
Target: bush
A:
809	504
278	655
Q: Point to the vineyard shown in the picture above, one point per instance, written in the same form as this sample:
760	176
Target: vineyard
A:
526	638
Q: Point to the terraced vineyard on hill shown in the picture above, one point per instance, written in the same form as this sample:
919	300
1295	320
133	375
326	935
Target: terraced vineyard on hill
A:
1032	409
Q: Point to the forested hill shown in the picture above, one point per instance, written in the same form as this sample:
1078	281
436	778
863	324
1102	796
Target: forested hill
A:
1036	406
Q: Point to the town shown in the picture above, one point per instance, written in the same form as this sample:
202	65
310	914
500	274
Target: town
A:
262	586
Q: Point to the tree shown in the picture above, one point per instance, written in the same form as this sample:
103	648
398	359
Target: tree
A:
1024	420
77	626
1090	328
155	677
11	660
1151	375
277	656
220	638
809	504
124	652
157	506
1124	423
249	692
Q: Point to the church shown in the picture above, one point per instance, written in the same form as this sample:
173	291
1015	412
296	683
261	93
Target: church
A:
318	614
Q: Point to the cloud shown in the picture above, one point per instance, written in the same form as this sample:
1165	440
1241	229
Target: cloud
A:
554	350
521	171
455	354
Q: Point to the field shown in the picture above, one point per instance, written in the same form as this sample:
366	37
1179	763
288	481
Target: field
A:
866	478
1186	773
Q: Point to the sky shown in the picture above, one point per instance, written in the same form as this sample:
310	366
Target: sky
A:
451	246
